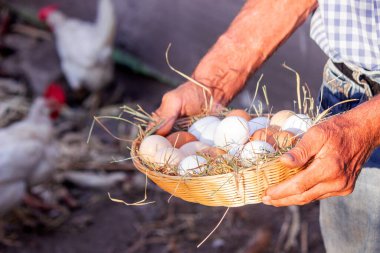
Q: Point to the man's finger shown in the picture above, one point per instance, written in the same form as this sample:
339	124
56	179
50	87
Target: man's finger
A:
335	194
306	197
166	116
310	144
165	125
299	183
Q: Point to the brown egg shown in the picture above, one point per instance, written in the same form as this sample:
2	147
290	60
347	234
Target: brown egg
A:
284	139
213	152
178	139
240	113
279	118
265	134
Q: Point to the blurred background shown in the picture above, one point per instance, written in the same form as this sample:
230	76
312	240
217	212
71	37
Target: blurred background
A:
69	210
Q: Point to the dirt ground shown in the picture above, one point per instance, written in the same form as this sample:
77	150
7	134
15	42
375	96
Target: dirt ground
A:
100	225
103	226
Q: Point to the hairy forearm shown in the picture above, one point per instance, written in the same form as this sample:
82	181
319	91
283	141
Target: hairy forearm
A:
260	27
365	121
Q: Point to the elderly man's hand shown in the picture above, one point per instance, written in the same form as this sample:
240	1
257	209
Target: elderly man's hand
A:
187	99
336	150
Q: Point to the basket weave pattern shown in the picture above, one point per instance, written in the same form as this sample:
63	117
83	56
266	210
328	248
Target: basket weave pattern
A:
230	190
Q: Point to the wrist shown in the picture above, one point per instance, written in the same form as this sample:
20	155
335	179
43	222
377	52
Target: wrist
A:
224	69
366	120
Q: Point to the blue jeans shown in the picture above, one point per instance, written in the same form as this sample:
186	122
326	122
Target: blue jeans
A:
351	223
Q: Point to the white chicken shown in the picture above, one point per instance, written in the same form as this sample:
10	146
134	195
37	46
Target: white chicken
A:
27	151
85	48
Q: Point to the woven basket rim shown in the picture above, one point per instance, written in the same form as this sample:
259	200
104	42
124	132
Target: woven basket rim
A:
232	189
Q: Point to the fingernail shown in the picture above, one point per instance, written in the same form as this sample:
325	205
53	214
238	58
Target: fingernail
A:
288	156
266	200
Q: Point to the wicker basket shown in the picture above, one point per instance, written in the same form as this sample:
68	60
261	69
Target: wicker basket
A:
230	190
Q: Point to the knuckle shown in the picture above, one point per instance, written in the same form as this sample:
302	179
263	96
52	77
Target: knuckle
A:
300	152
318	130
299	188
341	184
302	199
334	170
350	185
335	162
347	192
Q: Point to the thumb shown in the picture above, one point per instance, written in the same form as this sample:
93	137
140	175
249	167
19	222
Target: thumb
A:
166	116
307	148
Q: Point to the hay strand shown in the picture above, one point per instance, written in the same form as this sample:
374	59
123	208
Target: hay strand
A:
205	89
298	80
215	228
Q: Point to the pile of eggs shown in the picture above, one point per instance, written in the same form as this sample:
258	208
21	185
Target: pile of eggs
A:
237	136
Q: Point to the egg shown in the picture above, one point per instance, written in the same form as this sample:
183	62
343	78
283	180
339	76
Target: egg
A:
198	126
178	139
252	150
151	144
265	134
168	156
235	150
193	147
240	113
192	165
257	123
231	130
297	124
207	135
213	152
226	158
279	118
284	139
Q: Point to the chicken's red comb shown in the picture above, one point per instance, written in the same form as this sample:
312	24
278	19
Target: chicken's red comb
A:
55	92
44	12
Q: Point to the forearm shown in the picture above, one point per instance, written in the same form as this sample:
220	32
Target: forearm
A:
260	27
365	121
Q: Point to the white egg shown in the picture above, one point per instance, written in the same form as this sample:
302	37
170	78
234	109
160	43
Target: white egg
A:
297	124
198	126
258	123
191	148
235	150
231	130
192	165
151	144
207	135
168	156
252	150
